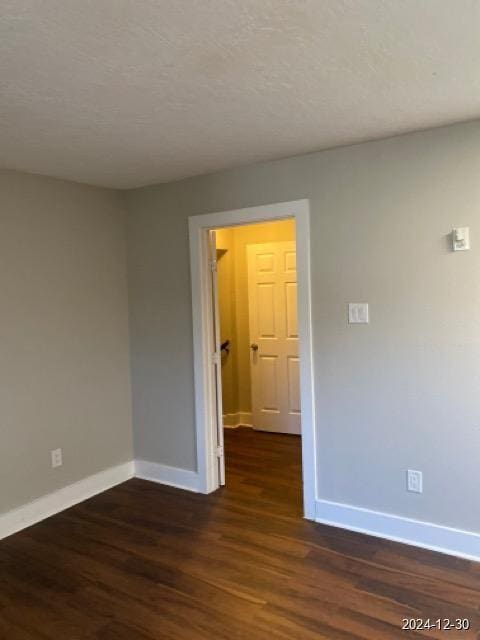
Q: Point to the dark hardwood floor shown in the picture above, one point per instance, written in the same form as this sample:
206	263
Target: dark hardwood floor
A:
144	562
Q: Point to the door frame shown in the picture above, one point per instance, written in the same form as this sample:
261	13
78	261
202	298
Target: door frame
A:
203	348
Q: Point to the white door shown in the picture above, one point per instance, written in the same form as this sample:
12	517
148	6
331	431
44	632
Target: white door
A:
216	376
274	361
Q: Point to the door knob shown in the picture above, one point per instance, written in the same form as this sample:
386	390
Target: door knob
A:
254	346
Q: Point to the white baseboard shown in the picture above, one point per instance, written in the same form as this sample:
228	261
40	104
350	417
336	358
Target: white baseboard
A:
464	544
163	474
239	419
52	503
46	506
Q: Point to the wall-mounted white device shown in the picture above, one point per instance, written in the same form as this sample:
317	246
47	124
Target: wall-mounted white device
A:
461	239
414	481
358	313
57	458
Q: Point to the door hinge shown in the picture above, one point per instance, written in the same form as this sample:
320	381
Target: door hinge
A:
213	265
216	358
219	452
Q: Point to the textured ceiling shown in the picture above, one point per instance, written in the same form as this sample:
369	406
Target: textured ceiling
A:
124	93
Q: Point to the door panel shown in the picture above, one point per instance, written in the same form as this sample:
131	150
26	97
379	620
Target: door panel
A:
266	263
293	367
268	392
274	360
266	309
290	261
291	309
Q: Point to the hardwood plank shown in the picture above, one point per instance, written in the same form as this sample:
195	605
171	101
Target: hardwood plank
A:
147	562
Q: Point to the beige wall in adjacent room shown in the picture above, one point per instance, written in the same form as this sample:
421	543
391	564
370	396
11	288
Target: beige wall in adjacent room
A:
64	344
228	322
399	393
234	310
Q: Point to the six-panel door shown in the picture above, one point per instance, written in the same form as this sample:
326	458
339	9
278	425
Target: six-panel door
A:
274	360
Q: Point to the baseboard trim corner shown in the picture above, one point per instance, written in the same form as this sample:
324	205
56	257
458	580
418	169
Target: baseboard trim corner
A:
239	419
455	542
52	503
171	476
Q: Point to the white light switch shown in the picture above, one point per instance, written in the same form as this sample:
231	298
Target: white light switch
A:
358	313
461	239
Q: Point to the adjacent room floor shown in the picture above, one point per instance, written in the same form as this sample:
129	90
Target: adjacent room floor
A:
144	561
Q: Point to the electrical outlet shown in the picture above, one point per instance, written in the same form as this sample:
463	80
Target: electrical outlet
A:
414	481
57	460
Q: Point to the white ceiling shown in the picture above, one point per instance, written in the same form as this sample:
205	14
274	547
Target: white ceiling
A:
124	93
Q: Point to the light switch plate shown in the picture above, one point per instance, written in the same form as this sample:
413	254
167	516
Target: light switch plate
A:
461	239
358	313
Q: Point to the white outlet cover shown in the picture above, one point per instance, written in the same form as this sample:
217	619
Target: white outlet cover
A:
414	481
56	455
358	313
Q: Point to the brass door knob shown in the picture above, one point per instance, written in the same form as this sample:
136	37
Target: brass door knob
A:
254	346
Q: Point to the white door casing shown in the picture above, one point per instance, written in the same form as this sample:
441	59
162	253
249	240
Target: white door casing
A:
203	347
274	351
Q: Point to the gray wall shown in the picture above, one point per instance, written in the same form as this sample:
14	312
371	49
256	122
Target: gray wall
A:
402	392
64	374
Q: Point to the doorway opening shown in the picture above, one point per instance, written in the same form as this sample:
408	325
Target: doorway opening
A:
256	294
252	327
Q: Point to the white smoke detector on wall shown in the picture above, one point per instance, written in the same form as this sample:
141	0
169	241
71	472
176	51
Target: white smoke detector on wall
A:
461	239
